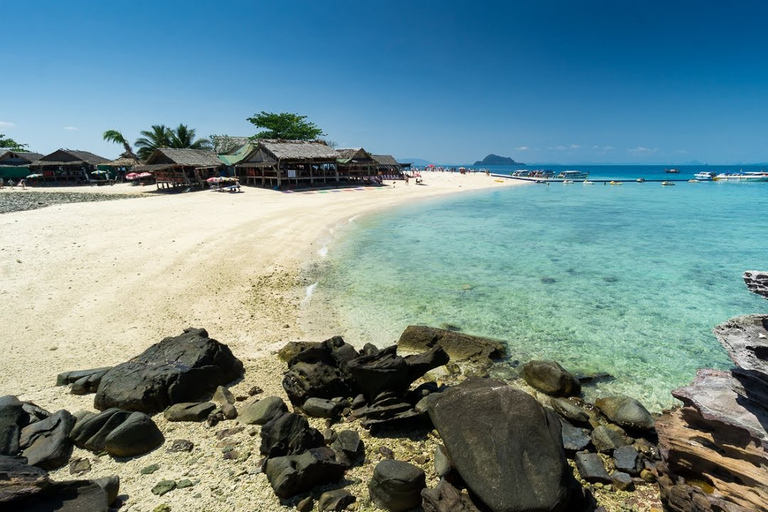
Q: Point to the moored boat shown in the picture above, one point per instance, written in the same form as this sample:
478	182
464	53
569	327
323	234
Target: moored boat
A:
705	175
672	171
667	184
573	175
742	176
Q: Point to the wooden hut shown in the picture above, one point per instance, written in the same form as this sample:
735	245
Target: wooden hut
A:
356	164
14	165
387	167
288	163
67	166
185	168
121	166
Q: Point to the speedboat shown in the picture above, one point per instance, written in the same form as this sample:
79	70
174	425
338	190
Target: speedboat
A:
572	175
742	176
672	171
615	183
694	180
641	180
567	182
667	184
587	182
705	175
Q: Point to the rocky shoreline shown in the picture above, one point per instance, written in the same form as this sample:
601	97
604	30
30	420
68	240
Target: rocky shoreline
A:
417	425
23	200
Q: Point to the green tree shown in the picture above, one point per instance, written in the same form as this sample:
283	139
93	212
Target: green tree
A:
160	136
284	126
117	137
12	144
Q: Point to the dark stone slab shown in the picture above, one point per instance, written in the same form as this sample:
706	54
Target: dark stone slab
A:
550	378
289	434
12	419
460	347
262	411
183	368
396	485
625	412
591	468
627	459
574	438
46	443
189	411
336	500
606	439
295	474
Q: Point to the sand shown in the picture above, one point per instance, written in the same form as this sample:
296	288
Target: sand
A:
92	284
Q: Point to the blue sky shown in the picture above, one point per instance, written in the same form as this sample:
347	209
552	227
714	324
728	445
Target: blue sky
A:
541	81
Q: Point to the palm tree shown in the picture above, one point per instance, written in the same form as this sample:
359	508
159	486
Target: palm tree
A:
117	137
159	137
184	137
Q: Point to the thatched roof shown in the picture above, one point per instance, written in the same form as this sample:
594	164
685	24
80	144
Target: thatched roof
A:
298	149
385	160
198	158
358	154
18	158
124	161
70	157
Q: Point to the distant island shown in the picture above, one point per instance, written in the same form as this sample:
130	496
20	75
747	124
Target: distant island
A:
497	160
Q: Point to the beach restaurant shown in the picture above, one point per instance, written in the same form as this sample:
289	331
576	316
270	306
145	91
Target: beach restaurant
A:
280	163
387	167
14	165
66	166
181	168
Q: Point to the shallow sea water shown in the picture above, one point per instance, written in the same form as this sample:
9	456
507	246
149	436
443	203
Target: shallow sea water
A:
628	280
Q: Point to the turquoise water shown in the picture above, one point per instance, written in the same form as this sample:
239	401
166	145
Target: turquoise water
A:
628	280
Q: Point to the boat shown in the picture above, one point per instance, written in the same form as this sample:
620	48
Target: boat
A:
587	182
572	175
567	182
615	183
742	176
521	173
694	180
641	180
705	175
672	171
667	184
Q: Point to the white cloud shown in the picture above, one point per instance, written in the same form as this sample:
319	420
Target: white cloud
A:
7	124
603	149
70	128
640	150
574	146
522	148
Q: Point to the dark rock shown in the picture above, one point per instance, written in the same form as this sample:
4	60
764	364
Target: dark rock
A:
111	486
591	468
288	434
606	439
189	411
386	452
337	499
20	481
348	447
460	347
396	485
148	470
227	432
229	411
137	435
35	413
263	411
184	368
295	474
575	439
550	378
75	496
12	419
569	410
119	433
82	381
497	468
181	445
222	396
46	443
305	505
627	460
446	498
380	373
319	370
321	408
184	483
757	282
419	364
255	390
79	466
358	401
622	481
625	412
443	464
164	487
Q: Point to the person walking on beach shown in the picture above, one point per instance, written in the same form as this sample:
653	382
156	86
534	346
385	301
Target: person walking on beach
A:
23	184
11	183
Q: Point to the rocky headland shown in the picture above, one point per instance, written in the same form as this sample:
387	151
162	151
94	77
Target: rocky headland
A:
497	160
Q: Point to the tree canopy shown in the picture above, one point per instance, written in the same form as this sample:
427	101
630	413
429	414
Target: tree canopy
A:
284	126
160	136
12	144
117	137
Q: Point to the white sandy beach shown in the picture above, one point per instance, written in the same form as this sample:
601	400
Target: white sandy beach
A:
92	284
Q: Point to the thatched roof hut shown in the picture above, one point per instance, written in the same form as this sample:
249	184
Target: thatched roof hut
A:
388	167
67	166
175	167
14	165
356	164
288	162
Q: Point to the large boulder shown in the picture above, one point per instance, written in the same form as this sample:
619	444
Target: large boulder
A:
625	412
117	432
396	485
184	368
289	434
46	443
13	418
317	370
460	347
294	474
550	378
262	411
493	433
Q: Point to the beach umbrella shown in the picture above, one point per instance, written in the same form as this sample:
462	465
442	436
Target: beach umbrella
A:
145	175
213	180
35	176
99	172
131	176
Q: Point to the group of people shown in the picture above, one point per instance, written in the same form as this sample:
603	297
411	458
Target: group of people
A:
12	184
